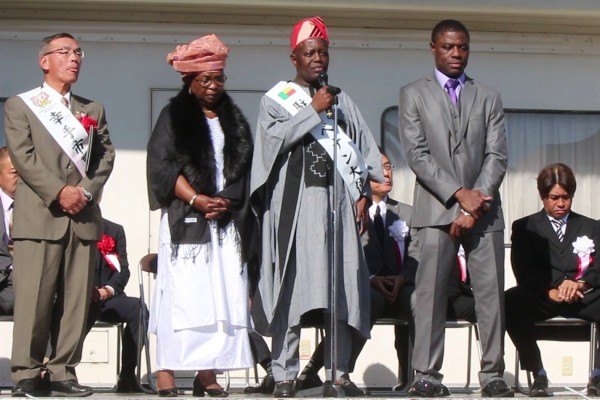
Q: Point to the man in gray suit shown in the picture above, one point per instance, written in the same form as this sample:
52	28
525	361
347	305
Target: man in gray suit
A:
452	130
60	147
8	185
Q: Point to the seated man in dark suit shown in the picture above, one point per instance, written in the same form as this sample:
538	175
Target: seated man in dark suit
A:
111	304
461	303
552	257
391	265
8	186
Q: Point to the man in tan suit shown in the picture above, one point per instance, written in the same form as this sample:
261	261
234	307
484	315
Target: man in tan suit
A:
60	147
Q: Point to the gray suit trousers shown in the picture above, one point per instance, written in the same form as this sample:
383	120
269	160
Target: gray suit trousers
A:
52	283
485	255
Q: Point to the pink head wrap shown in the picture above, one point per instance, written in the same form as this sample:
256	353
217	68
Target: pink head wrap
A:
207	53
308	28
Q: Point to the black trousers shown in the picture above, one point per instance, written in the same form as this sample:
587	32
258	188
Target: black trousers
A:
525	307
7	298
123	309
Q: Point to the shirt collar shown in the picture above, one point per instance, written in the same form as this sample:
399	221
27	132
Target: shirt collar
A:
442	79
382	207
564	219
54	92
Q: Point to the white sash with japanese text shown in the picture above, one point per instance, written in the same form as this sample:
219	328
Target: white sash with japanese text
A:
66	130
350	163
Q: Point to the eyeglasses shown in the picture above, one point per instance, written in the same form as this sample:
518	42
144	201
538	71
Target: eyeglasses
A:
205	81
389	167
66	52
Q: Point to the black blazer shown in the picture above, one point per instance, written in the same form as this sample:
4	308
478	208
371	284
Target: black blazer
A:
541	262
381	259
103	275
5	256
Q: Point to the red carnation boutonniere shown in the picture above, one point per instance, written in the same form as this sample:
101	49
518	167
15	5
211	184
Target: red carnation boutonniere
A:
89	124
107	247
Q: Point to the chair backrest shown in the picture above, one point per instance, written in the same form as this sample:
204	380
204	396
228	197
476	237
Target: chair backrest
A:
148	263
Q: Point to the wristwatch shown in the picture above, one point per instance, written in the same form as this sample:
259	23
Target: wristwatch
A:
88	196
586	288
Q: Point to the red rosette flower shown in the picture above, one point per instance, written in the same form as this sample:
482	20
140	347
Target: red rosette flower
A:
88	123
107	246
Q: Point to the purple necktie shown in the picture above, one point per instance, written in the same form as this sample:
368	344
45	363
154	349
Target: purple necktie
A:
451	85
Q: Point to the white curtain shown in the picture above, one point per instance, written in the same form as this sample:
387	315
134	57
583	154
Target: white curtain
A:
535	139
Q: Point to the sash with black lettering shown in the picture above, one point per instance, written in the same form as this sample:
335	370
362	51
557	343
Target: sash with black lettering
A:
62	125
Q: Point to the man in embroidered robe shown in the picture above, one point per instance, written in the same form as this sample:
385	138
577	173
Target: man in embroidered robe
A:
392	260
452	131
111	304
553	257
56	221
292	192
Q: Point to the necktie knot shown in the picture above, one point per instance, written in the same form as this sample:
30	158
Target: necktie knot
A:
450	86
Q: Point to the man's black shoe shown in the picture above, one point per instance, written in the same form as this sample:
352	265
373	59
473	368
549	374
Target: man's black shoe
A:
308	381
69	388
266	386
284	389
35	387
539	387
345	388
349	388
497	388
441	391
593	386
423	388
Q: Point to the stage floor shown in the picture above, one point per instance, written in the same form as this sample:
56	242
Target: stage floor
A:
236	393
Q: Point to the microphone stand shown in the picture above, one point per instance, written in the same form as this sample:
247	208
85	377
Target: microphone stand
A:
334	254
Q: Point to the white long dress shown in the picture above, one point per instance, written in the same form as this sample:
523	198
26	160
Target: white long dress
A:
200	309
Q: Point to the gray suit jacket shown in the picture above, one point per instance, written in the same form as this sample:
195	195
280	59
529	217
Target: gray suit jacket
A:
44	169
444	159
382	258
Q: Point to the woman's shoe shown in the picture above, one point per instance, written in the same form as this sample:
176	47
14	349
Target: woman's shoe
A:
199	390
166	378
171	392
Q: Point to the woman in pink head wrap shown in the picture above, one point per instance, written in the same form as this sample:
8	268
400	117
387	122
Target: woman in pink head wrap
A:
199	155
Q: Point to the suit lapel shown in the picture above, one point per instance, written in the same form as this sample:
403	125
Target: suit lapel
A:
545	226
467	99
438	95
76	105
573	227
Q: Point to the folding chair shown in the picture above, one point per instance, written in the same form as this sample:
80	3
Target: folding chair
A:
148	264
542	333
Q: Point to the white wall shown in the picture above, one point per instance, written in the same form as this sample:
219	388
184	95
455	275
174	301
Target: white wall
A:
125	61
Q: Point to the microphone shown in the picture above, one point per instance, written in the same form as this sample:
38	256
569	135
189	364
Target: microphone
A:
323	81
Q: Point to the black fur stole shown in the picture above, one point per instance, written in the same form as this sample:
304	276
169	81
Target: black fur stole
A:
194	147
